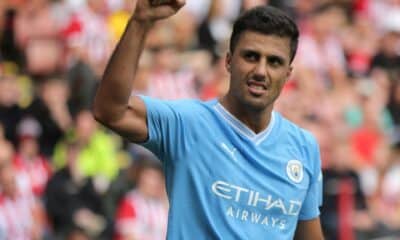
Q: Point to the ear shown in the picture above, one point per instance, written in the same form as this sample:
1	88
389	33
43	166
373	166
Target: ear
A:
289	72
228	60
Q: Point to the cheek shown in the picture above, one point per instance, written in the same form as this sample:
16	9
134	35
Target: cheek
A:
280	79
235	81
281	84
239	76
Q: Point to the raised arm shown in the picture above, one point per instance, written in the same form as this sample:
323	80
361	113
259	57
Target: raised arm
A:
113	105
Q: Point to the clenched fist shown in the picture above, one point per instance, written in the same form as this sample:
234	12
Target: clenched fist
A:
158	2
152	10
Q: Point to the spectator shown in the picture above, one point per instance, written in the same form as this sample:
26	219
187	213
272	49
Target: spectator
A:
360	42
217	82
344	212
388	58
29	163
10	112
50	109
71	199
168	79
142	214
20	213
36	32
320	50
215	28
98	155
386	202
87	37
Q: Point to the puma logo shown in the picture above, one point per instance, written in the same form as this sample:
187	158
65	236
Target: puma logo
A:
231	151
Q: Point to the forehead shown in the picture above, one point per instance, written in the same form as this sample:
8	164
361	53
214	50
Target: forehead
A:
265	44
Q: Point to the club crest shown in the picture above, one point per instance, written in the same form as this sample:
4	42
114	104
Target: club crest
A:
294	170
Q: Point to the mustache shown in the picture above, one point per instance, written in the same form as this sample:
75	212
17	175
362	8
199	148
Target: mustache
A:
258	77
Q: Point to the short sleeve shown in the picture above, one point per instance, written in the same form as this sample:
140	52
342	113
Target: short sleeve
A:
165	127
313	200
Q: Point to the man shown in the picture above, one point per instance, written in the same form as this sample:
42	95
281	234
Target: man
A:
33	169
21	215
142	213
235	169
72	202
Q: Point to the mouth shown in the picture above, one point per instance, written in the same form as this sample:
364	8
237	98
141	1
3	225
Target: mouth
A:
256	88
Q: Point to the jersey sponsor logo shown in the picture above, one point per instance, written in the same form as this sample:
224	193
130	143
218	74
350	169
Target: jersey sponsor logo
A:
255	217
294	170
256	207
254	198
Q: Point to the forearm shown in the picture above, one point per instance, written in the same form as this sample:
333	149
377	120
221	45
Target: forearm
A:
309	230
113	93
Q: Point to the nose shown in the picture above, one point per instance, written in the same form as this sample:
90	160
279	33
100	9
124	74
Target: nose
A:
260	70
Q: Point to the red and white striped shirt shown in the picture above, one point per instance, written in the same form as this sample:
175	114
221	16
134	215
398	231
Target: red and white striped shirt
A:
170	86
141	218
35	173
16	217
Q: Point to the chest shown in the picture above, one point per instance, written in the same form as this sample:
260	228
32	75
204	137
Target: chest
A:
237	169
9	222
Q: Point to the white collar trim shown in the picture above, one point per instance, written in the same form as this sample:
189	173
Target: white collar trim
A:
241	128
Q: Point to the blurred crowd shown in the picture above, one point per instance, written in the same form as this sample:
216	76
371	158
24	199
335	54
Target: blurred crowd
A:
62	176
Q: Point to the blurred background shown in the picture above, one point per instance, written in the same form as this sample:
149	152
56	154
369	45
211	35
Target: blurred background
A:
63	176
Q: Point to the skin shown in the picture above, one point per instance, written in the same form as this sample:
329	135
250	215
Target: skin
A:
259	68
310	229
262	60
151	182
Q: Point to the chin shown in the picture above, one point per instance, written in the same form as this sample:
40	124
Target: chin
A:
256	104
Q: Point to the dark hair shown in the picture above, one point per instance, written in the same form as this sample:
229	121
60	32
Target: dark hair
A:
266	20
143	162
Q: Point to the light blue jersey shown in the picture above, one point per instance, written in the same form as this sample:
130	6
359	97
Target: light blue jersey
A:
226	182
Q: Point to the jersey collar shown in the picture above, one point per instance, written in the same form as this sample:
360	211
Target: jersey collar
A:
241	128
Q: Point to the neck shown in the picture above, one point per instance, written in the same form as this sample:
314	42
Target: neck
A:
146	192
255	119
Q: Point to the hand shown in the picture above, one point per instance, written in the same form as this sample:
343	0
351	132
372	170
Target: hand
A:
153	10
89	221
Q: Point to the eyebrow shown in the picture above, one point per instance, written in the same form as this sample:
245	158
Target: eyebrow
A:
277	57
269	56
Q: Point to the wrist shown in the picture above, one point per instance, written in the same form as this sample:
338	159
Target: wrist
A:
143	23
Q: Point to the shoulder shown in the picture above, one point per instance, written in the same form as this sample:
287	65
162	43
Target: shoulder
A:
132	199
58	178
302	136
302	140
182	107
126	207
181	102
304	143
131	194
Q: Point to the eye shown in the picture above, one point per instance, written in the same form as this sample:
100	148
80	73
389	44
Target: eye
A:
275	61
251	56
